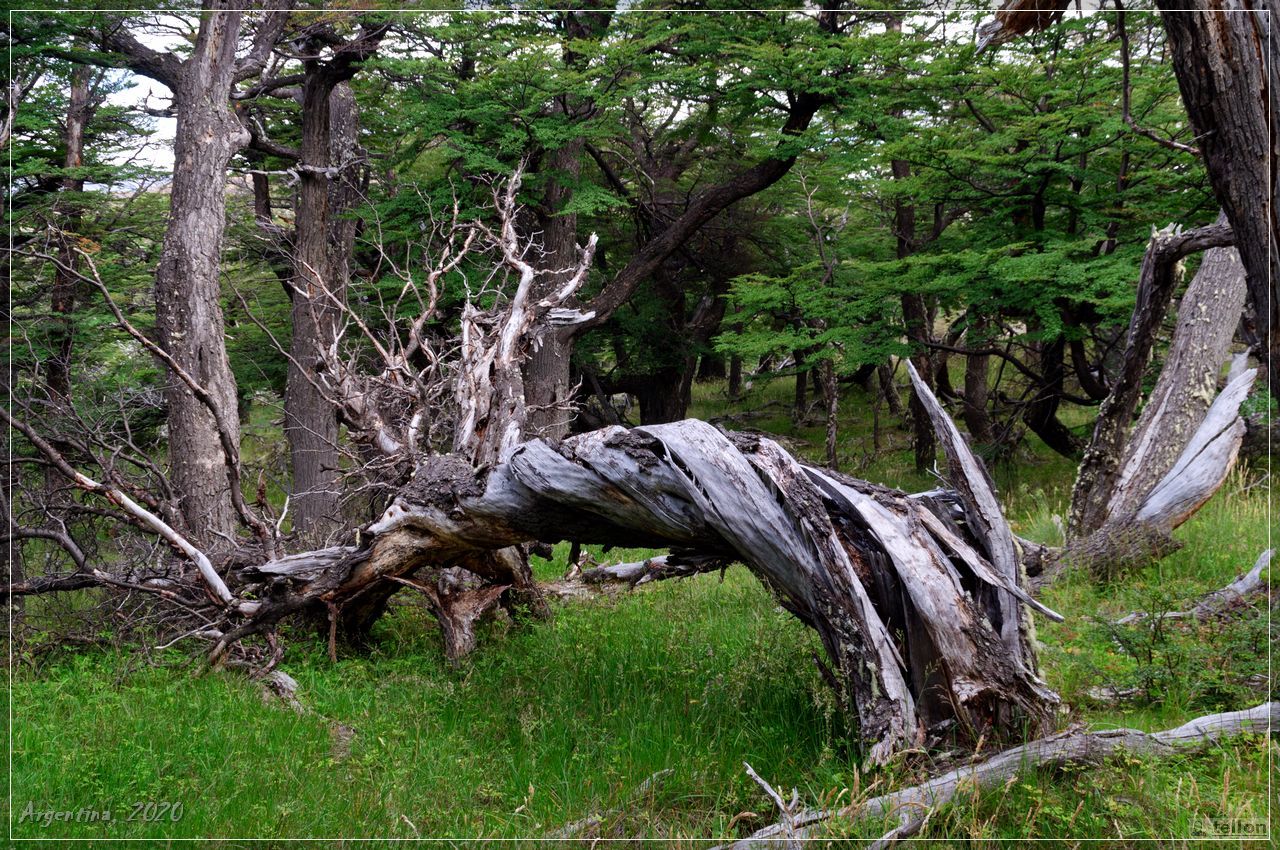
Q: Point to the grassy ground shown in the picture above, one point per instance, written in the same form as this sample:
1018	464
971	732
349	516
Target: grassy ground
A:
640	710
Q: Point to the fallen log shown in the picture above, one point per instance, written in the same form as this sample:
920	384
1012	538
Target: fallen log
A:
910	807
906	599
1213	604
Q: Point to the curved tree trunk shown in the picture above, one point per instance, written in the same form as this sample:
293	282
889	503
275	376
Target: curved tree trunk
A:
1041	414
922	615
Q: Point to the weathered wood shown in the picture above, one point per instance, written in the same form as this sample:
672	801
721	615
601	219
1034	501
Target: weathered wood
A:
1129	540
986	520
1212	604
886	590
1095	486
909	807
1207	320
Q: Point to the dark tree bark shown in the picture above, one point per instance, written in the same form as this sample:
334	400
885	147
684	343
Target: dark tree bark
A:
329	171
711	367
547	372
1220	56
323	243
800	395
547	378
831	398
62	298
976	368
1041	413
916	320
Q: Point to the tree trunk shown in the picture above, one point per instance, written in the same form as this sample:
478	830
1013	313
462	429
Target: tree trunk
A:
916	315
547	371
189	319
1096	482
1188	380
976	369
664	394
1041	414
711	367
886	580
1220	56
328	188
831	395
800	399
62	298
884	375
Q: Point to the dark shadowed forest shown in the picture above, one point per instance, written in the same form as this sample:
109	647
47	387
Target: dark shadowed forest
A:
596	422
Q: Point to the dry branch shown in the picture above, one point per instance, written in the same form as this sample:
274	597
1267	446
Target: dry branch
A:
911	806
1212	604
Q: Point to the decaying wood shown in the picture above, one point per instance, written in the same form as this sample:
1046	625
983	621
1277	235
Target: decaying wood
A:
1096	483
1207	320
910	807
887	589
1213	604
1130	540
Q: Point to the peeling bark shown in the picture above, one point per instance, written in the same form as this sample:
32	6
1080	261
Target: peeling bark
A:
888	586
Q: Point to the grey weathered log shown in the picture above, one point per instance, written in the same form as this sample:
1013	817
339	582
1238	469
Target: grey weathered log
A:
1212	604
910	806
860	564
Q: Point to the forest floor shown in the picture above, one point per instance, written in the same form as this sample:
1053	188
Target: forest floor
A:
639	709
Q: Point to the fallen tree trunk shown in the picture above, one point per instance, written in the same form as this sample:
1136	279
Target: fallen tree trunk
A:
910	807
1215	603
917	610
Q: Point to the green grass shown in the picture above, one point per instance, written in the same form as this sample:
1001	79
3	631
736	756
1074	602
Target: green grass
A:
553	722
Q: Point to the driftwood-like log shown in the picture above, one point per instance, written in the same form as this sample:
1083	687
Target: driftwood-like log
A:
908	601
1213	604
911	806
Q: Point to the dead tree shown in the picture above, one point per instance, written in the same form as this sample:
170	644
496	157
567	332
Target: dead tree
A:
1134	487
